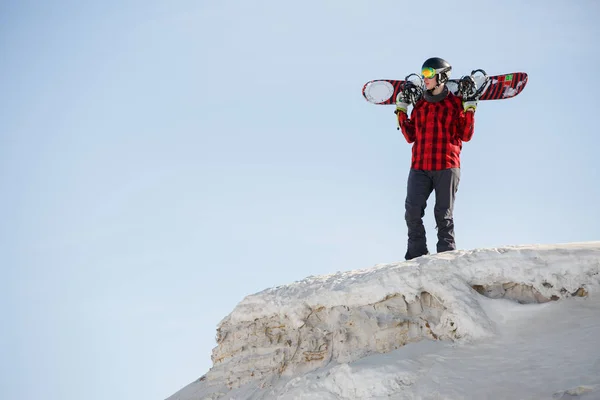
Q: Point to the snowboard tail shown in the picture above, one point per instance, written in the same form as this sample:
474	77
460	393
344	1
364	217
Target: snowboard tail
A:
495	87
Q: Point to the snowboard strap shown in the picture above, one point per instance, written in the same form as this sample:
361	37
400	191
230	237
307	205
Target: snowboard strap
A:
411	91
468	88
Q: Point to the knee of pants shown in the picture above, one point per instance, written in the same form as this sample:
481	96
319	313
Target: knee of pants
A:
442	213
414	212
444	218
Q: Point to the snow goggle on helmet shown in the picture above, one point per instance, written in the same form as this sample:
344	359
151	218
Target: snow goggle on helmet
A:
429	72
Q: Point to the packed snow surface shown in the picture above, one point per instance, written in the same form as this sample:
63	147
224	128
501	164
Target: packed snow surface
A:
511	322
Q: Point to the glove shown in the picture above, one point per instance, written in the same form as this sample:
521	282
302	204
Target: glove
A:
401	104
470	105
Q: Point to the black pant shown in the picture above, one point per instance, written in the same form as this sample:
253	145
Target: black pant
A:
420	185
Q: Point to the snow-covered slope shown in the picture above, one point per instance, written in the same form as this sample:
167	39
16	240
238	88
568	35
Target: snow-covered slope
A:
463	324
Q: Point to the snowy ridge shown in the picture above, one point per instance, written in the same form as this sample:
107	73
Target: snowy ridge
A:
282	339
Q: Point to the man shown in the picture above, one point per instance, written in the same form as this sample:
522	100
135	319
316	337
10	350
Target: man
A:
438	124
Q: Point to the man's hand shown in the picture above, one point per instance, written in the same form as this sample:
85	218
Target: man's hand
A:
470	105
401	104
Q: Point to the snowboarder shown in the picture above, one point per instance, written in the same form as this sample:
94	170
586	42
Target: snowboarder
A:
438	125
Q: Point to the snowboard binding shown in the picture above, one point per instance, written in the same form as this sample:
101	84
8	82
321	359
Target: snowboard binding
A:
468	88
412	89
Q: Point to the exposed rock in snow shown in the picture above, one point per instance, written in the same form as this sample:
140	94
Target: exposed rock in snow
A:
579	392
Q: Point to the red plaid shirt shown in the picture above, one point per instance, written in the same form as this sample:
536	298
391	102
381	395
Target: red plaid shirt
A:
437	131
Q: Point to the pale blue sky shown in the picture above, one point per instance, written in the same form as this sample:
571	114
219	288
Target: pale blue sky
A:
159	161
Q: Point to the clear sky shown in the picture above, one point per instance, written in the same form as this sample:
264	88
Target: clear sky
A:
161	160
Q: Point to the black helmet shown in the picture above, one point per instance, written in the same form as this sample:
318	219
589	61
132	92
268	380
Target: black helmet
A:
436	66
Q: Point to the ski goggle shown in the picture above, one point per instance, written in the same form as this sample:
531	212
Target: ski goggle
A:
428	72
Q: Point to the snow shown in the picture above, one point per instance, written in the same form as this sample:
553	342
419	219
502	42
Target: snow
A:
463	324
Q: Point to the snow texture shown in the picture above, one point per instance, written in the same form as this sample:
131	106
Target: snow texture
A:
448	326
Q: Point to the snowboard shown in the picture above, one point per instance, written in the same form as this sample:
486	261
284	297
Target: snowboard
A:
488	87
